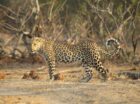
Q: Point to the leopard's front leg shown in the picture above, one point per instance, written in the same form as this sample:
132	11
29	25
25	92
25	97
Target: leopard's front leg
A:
51	66
50	57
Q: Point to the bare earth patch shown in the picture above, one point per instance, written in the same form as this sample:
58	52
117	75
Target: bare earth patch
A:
66	90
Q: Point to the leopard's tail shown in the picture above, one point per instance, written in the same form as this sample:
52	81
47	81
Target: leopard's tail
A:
112	42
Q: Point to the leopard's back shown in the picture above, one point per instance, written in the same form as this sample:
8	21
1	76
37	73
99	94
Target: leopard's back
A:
67	53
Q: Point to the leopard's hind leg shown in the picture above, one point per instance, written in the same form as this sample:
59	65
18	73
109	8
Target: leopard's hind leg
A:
92	59
88	73
103	72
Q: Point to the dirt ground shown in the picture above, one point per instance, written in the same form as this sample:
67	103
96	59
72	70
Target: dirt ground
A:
68	90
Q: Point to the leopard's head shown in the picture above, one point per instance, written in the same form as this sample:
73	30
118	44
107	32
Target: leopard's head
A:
37	44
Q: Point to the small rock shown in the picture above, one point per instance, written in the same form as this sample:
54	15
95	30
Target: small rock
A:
26	76
2	75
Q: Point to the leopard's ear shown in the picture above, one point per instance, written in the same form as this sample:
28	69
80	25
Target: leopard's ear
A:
39	39
36	38
33	39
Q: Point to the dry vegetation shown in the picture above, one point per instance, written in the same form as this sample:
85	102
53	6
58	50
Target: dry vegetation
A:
23	80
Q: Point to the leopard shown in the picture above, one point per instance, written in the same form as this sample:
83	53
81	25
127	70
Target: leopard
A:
85	52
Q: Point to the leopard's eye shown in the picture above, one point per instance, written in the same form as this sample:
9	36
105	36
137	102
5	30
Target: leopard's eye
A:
34	44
